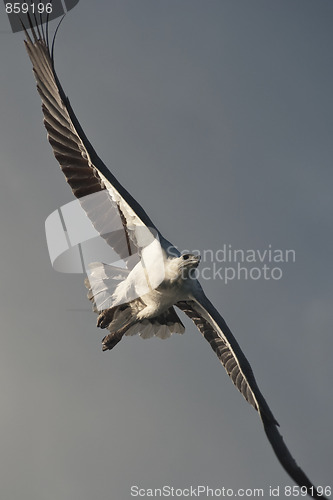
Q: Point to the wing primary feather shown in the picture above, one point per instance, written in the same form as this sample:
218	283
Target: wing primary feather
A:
287	460
25	32
54	38
47	28
32	28
42	25
37	26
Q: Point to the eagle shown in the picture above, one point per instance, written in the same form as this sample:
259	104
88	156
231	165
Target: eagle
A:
157	279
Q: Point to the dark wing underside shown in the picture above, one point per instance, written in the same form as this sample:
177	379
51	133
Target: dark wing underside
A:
217	333
241	376
84	170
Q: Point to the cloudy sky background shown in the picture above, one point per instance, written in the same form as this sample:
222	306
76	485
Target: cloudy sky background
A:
218	117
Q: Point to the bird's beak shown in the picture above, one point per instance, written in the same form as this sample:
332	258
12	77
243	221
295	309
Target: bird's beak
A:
197	259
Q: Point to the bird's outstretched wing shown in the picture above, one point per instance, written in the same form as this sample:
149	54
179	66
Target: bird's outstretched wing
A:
216	331
102	197
88	176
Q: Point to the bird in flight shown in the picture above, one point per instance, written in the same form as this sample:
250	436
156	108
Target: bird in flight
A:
158	277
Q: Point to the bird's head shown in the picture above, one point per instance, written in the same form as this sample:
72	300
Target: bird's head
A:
182	267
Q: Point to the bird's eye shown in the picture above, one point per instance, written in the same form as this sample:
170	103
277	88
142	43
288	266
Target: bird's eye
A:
186	256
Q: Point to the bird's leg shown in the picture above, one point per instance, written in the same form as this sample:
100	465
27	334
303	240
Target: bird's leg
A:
113	338
106	317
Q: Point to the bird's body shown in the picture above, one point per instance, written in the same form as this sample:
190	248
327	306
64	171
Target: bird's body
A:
141	298
154	306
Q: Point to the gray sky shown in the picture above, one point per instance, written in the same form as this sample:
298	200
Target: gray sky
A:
217	117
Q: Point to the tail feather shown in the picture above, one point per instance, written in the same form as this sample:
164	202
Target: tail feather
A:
121	320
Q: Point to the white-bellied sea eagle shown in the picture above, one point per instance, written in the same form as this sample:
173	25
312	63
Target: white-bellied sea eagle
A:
126	310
